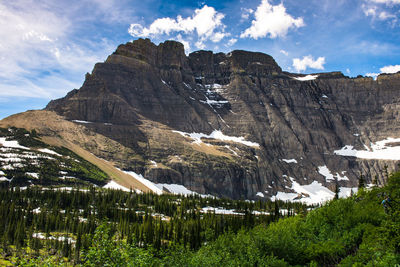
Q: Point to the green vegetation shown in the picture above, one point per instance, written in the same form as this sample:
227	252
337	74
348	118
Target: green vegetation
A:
58	166
357	231
41	224
91	226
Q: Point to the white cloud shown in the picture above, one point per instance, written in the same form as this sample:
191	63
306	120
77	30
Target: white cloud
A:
205	22
308	62
372	74
386	69
200	45
284	52
246	12
369	11
348	71
390	69
231	42
271	21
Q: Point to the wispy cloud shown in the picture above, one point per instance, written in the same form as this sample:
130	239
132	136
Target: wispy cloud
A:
40	58
284	52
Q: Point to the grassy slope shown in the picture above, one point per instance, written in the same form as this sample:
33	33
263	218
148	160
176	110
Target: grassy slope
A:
56	131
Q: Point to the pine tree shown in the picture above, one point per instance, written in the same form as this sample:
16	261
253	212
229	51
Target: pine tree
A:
337	190
361	181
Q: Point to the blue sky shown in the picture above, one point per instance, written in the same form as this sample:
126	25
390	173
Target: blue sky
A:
47	46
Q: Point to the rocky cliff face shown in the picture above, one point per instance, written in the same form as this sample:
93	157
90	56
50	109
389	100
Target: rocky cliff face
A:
259	129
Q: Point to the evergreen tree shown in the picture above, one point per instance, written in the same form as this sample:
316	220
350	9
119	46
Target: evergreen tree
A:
337	190
361	181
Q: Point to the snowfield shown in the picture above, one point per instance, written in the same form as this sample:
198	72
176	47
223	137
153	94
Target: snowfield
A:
306	78
379	150
216	134
113	185
324	171
289	160
48	151
12	144
144	181
313	193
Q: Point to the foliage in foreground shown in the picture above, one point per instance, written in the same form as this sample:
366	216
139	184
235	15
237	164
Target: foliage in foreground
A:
347	232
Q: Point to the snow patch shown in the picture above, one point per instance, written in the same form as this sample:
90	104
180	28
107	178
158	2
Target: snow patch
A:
324	171
33	174
214	102
310	194
12	144
260	194
220	211
233	151
213	86
176	189
144	181
306	78
153	163
289	160
113	185
379	150
347	191
48	151
79	121
219	136
60	238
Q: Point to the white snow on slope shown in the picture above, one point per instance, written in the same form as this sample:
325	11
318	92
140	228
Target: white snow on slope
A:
113	185
214	102
306	78
215	86
346	191
79	121
176	189
220	211
217	135
60	238
144	181
324	171
260	194
48	151
33	174
289	160
317	193
12	144
379	150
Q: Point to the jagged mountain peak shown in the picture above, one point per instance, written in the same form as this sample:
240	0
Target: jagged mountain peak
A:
193	115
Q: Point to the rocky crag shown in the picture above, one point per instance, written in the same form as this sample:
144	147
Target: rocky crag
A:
235	124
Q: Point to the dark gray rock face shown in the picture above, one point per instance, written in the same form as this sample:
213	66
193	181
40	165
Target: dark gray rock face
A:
146	91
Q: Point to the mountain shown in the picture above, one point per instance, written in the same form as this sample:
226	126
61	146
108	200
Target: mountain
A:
232	125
